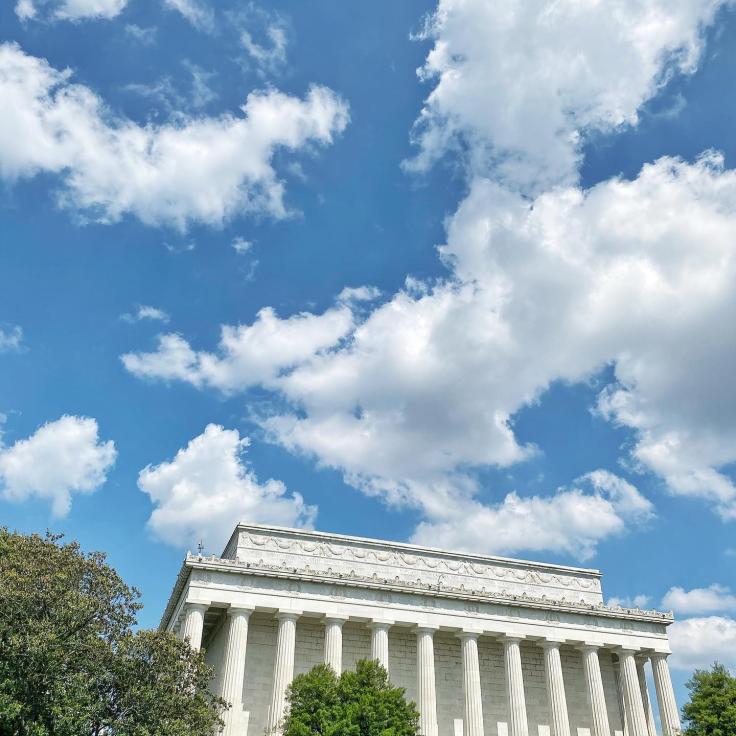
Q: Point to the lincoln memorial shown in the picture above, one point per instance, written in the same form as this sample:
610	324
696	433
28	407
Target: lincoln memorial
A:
483	645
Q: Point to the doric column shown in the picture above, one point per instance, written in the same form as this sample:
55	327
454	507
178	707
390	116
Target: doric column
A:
333	642
426	694
594	689
518	724
473	725
379	641
233	670
194	623
668	713
555	689
283	670
646	703
635	718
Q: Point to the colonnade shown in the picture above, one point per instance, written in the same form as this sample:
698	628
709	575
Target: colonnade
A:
636	704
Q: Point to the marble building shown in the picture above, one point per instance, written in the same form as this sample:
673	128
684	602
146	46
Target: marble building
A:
484	645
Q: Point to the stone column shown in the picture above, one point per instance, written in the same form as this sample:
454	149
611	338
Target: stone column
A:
518	724
473	725
426	694
194	623
333	642
379	642
646	703
668	713
283	670
555	689
635	718
233	670
595	692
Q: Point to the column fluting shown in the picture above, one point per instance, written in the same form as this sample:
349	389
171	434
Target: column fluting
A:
518	724
635	718
426	693
194	623
668	713
233	669
473	725
555	689
645	701
283	671
595	692
379	642
333	642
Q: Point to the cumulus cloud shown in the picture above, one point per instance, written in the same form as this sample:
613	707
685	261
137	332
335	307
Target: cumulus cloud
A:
713	599
145	312
73	10
638	601
519	84
248	354
197	169
207	488
634	275
11	339
699	642
61	458
571	521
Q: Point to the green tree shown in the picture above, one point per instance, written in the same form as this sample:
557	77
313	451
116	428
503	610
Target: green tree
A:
69	662
711	710
360	703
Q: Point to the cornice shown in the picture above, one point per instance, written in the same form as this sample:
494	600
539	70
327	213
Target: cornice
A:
216	564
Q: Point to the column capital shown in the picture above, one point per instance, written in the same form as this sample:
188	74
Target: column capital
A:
290	615
197	605
240	610
334	619
425	629
626	651
469	634
381	623
589	646
512	638
658	656
551	643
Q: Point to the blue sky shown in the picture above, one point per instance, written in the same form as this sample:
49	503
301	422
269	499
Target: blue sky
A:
462	275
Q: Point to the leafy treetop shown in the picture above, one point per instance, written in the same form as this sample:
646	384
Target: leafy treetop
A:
360	703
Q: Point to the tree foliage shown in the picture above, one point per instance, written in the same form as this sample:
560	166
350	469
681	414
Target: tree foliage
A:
70	664
360	703
711	710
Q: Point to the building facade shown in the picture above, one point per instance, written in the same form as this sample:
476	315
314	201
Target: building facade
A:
485	646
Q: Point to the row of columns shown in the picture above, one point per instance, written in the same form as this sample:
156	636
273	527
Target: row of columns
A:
636	704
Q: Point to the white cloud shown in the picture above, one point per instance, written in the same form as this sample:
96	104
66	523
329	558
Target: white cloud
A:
636	275
73	10
11	339
571	521
145	312
144	36
699	642
207	488
61	458
241	245
521	82
638	601
713	599
197	169
248	354
269	57
198	13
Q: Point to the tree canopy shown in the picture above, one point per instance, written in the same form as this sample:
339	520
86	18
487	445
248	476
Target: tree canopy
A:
70	663
711	710
360	703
